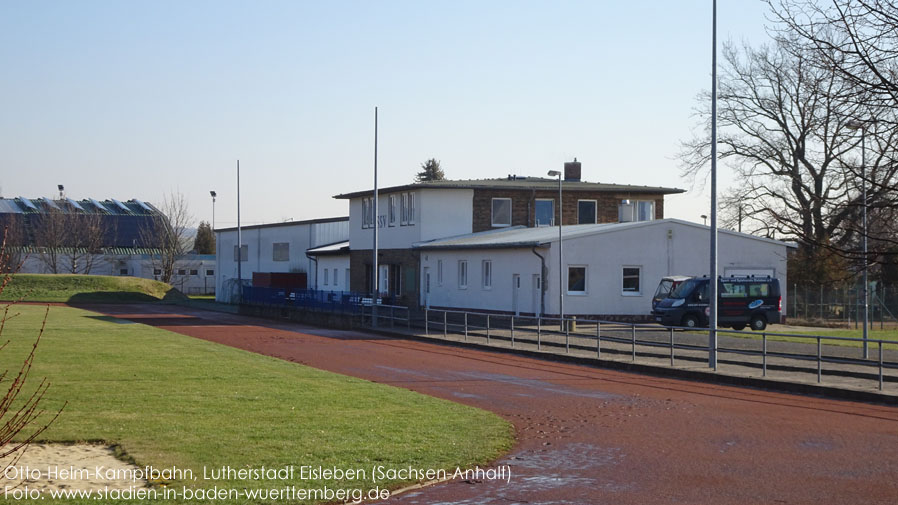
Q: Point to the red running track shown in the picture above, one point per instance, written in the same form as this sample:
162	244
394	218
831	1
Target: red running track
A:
588	435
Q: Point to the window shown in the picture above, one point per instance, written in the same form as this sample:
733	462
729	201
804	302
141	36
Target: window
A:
545	212
462	274
487	274
123	271
210	272
631	284
394	209
194	272
411	209
576	280
335	277
586	212
182	271
403	214
439	272
632	210
367	212
280	251
157	271
244	252
325	276
501	215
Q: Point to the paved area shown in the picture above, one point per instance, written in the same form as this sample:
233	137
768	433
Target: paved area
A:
591	435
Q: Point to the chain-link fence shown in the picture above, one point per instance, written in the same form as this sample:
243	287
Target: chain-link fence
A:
843	305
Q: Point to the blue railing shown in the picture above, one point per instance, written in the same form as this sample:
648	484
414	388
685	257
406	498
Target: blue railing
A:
332	301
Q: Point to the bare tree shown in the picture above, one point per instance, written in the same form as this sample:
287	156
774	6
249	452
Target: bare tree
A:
85	232
168	233
784	127
51	238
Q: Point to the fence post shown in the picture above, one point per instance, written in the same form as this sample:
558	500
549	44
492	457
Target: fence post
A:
598	340
671	348
512	331
392	316
567	336
821	303
819	362
487	328
426	322
445	325
633	332
764	356
539	332
466	326
880	365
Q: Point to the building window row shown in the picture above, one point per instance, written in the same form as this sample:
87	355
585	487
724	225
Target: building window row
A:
400	210
544	211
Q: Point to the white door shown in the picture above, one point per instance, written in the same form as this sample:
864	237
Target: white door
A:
425	290
515	289
537	291
384	284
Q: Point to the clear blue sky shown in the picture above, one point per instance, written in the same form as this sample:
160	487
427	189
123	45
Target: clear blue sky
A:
136	99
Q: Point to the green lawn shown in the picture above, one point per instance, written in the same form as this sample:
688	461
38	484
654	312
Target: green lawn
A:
874	334
171	400
88	289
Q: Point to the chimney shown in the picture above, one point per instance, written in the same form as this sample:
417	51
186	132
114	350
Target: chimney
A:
572	171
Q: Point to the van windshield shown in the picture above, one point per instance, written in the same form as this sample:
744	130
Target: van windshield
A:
663	288
684	289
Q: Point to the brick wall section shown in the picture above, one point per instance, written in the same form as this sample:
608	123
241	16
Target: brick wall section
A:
407	259
523	205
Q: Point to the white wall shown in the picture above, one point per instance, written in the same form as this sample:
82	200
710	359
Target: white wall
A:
658	248
332	263
506	263
439	213
260	250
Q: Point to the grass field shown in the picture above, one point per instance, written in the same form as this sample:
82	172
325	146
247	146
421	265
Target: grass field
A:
171	400
88	289
874	334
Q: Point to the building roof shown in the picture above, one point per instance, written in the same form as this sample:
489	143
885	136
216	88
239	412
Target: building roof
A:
335	249
285	223
43	205
520	236
519	183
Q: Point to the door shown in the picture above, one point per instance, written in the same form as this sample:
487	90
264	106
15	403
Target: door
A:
515	290
425	290
537	291
384	284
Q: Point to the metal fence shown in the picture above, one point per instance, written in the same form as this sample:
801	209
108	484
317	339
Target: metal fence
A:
655	344
843	305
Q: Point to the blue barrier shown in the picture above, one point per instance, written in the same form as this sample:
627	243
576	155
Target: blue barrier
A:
331	301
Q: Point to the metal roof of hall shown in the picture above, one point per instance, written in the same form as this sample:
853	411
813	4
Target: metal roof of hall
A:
21	205
518	183
520	236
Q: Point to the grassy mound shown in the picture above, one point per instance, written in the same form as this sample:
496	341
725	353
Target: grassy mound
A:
88	289
174	401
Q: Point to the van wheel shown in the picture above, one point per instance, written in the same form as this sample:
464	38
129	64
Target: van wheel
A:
738	327
758	323
690	321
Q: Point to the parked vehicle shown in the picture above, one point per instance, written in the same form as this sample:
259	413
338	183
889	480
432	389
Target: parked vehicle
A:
742	301
667	285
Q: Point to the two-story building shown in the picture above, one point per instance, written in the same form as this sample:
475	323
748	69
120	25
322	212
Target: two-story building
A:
420	212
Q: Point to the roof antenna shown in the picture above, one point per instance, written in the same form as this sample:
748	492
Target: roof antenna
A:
61	189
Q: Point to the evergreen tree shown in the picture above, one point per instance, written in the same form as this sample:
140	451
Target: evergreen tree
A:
205	239
430	171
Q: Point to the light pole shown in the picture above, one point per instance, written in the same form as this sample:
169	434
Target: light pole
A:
858	125
214	194
704	219
556	173
712	302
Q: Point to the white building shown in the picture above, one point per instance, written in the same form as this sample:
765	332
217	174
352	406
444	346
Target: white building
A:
331	267
608	269
276	247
